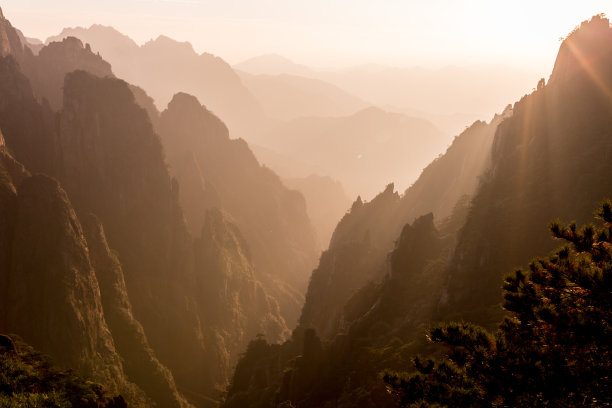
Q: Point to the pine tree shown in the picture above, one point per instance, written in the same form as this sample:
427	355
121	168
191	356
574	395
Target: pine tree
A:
552	349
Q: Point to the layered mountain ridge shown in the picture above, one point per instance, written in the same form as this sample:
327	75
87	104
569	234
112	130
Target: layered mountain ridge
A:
548	155
152	282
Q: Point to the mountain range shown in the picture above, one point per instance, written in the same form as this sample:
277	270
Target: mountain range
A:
153	260
401	263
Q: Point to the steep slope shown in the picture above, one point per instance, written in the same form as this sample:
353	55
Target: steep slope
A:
47	69
204	292
215	171
154	278
288	97
50	293
552	158
363	238
28	126
233	302
164	67
113	165
363	151
47	66
139	360
10	42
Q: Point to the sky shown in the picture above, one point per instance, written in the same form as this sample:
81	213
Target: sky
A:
332	33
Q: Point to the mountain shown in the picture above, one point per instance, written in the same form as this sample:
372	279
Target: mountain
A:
362	304
449	96
216	171
475	91
286	97
46	70
551	159
273	64
139	359
547	156
131	293
164	67
50	294
363	151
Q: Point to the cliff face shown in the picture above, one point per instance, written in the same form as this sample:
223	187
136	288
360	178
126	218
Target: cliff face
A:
52	297
47	69
10	43
215	171
551	159
363	238
28	126
139	359
234	303
548	156
135	297
113	165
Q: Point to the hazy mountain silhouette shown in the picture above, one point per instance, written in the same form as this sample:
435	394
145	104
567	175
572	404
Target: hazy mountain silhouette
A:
362	151
475	91
287	97
215	171
273	64
548	154
164	67
143	283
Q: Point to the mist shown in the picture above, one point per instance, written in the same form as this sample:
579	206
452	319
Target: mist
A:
290	204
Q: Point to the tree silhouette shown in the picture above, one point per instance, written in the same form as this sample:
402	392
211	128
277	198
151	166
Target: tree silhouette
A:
553	348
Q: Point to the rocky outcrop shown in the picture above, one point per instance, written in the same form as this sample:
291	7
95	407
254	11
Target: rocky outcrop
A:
27	125
551	159
52	298
233	303
10	43
47	70
216	171
113	165
139	360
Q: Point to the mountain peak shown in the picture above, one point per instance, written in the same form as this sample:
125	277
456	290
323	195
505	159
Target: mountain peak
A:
170	44
587	48
185	102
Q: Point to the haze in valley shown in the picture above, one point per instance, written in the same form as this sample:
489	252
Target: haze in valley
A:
305	204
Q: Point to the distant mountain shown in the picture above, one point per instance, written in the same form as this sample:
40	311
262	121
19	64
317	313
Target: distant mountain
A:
216	171
452	97
287	97
362	151
136	301
479	91
273	64
164	67
373	296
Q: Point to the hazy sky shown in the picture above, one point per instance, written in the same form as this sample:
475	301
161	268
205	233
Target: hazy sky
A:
331	33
